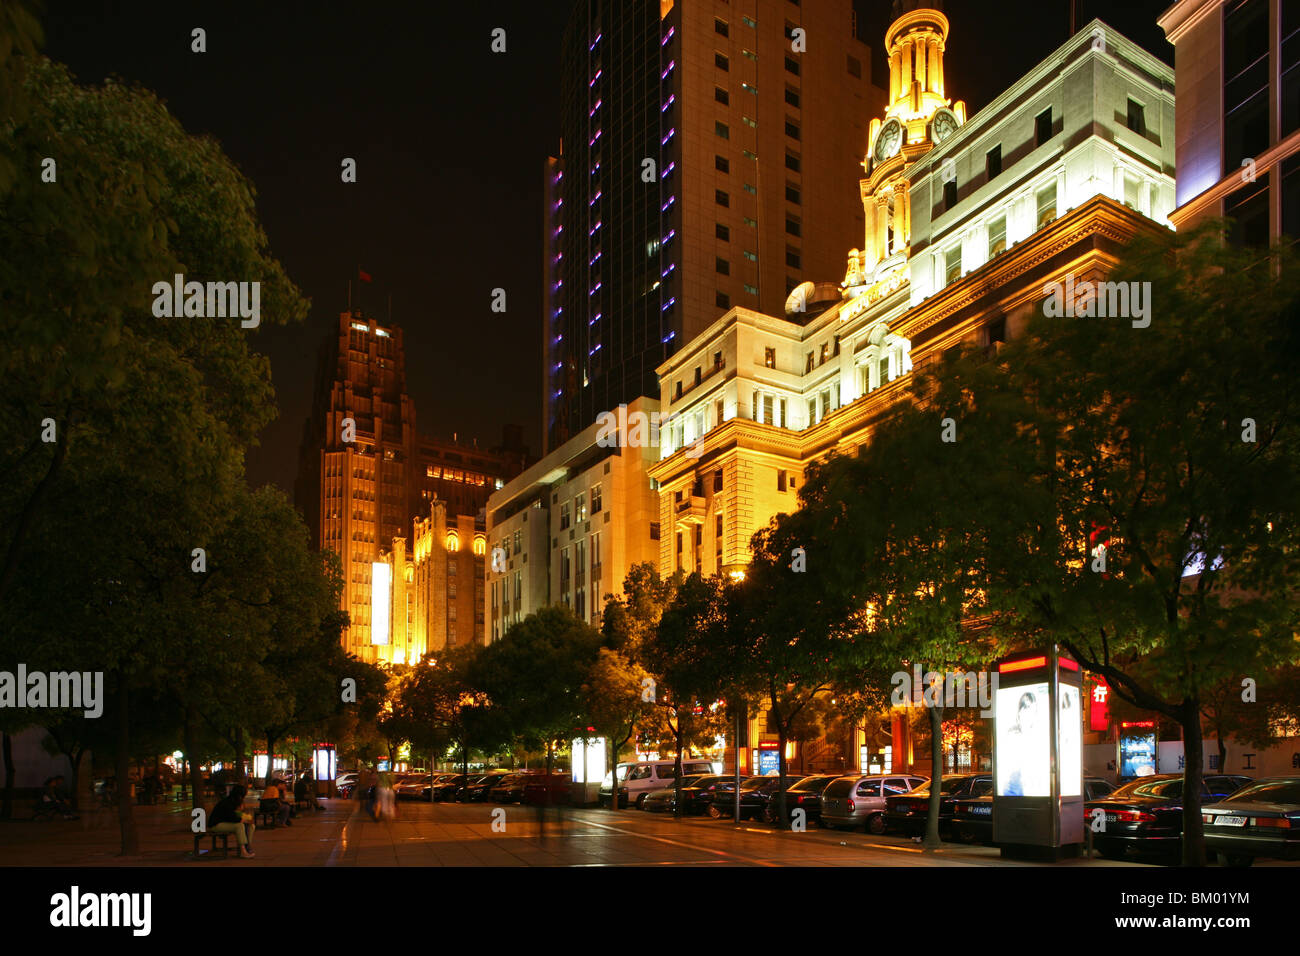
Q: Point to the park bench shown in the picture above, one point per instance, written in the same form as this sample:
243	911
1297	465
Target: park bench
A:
268	811
214	837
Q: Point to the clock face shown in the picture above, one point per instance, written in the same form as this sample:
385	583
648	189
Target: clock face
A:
943	125
888	140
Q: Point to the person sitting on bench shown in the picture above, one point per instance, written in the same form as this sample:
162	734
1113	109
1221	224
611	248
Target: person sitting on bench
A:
302	793
227	817
273	799
52	799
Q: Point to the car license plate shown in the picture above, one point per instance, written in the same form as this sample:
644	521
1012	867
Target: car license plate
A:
1112	818
1225	821
982	811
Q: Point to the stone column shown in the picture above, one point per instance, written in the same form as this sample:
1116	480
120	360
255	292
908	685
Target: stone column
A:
869	257
894	76
922	60
905	77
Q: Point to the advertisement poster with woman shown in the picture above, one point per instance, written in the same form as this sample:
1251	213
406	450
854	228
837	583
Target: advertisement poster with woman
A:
1024	754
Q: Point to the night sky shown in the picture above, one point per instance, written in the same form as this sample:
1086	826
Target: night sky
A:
449	140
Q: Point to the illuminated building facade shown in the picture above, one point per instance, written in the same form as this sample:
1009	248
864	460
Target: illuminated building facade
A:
704	159
967	219
365	475
1238	153
568	529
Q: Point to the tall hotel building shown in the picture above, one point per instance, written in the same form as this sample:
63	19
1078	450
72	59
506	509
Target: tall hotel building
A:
706	149
361	498
966	220
1238	69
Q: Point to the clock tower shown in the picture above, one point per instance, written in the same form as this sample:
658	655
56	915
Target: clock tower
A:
918	117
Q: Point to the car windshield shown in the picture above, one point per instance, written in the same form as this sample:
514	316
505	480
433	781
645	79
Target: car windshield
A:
1268	791
1159	788
753	783
1128	788
812	783
840	787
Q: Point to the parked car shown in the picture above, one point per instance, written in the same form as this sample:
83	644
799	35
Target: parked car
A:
510	787
805	795
638	778
475	789
445	788
858	800
412	786
723	802
1147	814
538	785
972	818
754	802
1260	819
907	812
697	791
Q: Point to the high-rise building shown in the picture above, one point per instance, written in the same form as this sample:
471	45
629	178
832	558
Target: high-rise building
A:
1237	64
968	220
365	475
706	147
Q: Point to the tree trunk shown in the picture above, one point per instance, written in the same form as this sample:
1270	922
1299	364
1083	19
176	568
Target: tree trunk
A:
1223	753
1193	760
677	771
195	772
122	766
239	756
7	806
613	773
74	775
932	841
781	768
270	759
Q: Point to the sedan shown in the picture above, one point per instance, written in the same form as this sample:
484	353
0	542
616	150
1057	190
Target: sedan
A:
509	788
1260	819
444	788
1147	814
475	789
908	812
972	818
806	795
723	802
697	792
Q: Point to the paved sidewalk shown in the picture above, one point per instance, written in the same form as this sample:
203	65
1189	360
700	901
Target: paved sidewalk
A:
165	838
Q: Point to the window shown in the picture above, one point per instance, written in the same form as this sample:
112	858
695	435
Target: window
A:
1046	204
722	129
654	530
792	65
826	353
580	507
1246	44
1248	210
751	256
722	96
808	364
721	198
949	194
996	330
722	266
780	481
1137	117
722	232
855	67
722	300
751	54
717	360
722	164
993	162
564	568
679	550
791	128
1290	175
792	259
792	194
952	266
752	124
595	553
769	358
697	375
721	27
564	516
518	538
792	162
717	480
749	23
1289	71
837	346
1043	127
595	499
998	236
792	97
749	89
751	223
749	188
793	225
751	289
721	61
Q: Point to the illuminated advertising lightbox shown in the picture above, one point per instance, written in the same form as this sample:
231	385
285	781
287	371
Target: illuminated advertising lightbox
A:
1099	706
379	599
587	763
1069	730
1137	750
1023	745
769	761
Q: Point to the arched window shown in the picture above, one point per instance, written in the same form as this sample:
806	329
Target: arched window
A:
453	541
480	544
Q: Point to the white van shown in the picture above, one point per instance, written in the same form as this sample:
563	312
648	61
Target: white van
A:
637	778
